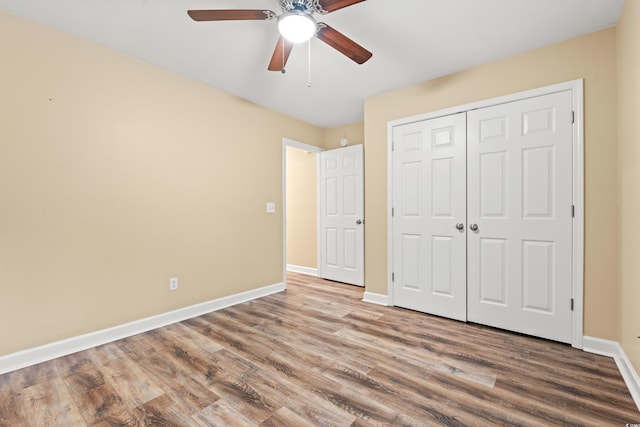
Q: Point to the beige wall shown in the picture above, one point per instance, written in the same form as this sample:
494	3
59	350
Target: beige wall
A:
592	57
114	177
354	132
628	32
301	208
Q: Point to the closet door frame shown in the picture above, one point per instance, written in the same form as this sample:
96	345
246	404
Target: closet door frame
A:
577	274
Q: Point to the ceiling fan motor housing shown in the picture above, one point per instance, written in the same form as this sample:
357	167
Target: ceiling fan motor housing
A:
306	6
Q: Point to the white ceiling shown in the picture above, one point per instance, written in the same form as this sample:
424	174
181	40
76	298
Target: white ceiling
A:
411	40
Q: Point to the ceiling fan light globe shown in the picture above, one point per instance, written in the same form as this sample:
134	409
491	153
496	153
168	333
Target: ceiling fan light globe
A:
296	26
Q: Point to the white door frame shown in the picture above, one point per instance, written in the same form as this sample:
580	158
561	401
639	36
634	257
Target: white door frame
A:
286	142
576	88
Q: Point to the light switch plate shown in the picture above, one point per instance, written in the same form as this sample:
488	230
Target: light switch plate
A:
271	207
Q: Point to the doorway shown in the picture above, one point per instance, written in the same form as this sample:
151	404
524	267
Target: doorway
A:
300	205
323	211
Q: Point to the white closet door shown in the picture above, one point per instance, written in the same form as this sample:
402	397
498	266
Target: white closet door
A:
341	215
429	252
519	196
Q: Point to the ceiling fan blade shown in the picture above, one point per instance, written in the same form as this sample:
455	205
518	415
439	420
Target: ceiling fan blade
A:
343	44
327	6
280	55
231	15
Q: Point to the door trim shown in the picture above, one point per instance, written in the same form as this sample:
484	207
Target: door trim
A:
577	274
286	142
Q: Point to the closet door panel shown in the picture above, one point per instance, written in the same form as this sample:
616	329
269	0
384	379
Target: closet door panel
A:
429	252
519	204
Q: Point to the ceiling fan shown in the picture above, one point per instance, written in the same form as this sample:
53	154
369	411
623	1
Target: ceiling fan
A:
296	24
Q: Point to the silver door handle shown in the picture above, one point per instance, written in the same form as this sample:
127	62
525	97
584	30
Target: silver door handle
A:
473	227
359	222
460	226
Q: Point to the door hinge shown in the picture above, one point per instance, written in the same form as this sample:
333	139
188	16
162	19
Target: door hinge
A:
393	211
571	304
393	277
573	211
573	117
393	145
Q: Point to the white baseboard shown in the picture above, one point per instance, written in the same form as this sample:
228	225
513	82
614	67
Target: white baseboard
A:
32	356
614	349
600	346
374	298
304	270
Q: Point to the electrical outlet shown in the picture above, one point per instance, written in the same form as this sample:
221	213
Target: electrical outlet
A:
271	207
173	283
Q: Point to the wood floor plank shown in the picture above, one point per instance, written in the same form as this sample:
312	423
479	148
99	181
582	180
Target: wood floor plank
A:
12	409
316	354
225	380
102	405
34	375
134	387
73	363
222	413
162	411
298	399
187	336
245	398
50	404
427	359
326	349
398	365
180	384
285	417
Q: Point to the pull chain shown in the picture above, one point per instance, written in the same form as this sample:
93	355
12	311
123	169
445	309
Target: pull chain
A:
283	70
309	62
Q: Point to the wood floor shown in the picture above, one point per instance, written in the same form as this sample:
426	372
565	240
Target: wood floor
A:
317	355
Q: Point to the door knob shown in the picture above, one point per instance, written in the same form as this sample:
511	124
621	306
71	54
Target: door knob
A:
473	227
460	226
359	222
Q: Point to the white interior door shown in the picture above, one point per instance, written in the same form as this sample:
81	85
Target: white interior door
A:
520	200
429	210
341	215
